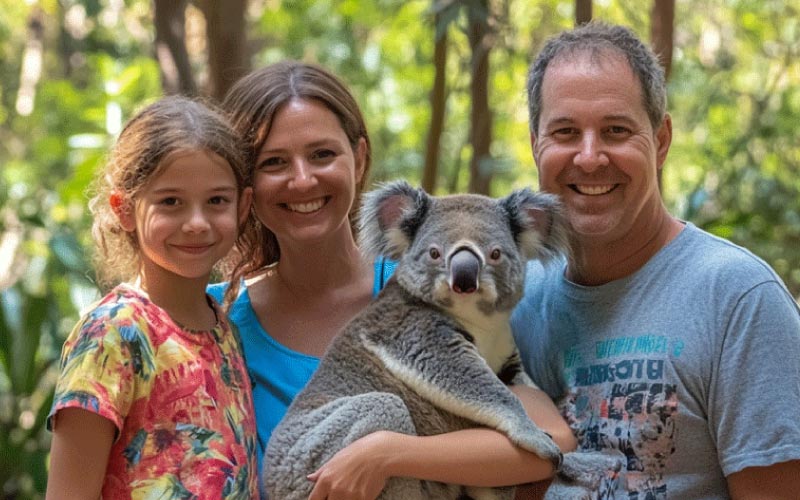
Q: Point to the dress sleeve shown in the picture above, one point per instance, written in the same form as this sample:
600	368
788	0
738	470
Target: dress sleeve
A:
104	362
754	396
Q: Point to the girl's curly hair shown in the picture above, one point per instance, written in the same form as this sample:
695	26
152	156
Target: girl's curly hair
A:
146	145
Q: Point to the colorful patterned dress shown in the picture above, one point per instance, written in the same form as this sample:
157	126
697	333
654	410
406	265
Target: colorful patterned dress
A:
181	401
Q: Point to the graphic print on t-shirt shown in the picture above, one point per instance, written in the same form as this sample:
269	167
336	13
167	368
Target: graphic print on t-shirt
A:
620	401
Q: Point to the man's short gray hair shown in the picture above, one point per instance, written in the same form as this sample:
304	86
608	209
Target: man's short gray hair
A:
601	40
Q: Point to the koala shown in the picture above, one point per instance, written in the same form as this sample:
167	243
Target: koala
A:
433	353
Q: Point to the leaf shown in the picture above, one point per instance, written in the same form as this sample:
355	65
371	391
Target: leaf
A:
69	252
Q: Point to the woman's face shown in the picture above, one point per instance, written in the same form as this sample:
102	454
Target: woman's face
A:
306	174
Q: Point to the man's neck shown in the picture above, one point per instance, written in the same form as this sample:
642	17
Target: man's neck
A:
596	264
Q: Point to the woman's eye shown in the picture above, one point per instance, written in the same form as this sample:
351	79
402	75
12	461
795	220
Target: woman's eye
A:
271	163
323	153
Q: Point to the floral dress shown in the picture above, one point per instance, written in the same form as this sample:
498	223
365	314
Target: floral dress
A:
181	400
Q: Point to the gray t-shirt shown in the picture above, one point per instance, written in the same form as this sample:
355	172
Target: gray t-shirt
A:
690	367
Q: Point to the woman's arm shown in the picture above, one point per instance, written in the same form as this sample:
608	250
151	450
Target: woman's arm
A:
79	454
474	457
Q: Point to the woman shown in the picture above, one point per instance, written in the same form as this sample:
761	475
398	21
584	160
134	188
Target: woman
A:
310	155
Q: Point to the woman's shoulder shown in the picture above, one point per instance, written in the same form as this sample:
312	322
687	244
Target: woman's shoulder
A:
217	290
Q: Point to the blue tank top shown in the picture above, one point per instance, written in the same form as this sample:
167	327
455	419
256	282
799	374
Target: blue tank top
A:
277	372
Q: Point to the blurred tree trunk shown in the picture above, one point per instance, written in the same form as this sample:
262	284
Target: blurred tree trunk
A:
32	59
170	47
480	41
438	98
583	11
227	44
662	20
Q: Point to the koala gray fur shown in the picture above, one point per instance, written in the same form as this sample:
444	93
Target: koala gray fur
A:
433	353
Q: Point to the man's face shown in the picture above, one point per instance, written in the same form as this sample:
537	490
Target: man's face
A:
596	148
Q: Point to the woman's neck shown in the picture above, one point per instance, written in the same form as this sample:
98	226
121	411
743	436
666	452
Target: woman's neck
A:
319	267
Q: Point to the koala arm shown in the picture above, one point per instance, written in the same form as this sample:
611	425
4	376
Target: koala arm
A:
440	363
444	367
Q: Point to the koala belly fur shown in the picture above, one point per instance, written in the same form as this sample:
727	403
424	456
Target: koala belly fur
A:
381	373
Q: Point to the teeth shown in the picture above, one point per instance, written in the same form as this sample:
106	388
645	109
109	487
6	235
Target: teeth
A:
307	207
593	190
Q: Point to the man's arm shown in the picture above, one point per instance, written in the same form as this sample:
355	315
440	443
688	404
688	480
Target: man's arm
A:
775	482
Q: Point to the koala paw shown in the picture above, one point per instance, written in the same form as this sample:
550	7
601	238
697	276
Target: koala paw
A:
542	444
586	476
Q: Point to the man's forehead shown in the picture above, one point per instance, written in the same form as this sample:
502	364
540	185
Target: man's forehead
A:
603	59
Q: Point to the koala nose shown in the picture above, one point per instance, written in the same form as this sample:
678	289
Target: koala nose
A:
464	269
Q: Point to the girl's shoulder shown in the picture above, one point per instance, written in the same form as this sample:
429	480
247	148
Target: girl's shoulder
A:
123	315
121	304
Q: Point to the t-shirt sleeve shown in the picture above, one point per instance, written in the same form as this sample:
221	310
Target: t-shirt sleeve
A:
755	399
104	362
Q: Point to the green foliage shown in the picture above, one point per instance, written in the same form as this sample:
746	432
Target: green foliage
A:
735	106
48	157
733	167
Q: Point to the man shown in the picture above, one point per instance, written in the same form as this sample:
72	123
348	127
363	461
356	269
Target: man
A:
673	348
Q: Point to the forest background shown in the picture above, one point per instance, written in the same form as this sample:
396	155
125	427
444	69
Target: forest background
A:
441	83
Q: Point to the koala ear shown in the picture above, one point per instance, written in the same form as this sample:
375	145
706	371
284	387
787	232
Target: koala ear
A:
538	224
389	219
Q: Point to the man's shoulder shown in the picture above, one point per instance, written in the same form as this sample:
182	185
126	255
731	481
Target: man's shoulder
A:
714	257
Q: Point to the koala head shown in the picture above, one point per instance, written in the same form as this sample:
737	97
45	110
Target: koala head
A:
458	246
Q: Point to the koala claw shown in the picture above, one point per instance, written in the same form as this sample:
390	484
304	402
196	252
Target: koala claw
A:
585	475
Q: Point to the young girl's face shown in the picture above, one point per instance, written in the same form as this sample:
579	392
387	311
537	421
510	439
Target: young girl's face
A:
186	217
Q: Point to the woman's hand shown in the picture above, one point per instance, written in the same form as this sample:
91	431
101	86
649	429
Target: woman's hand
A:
357	472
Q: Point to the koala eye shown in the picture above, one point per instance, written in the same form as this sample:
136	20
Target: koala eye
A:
434	253
495	254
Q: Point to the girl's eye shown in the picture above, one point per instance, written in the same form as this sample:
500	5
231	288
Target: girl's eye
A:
434	253
495	254
170	202
218	200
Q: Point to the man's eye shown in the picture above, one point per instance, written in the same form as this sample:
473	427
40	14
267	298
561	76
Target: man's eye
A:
617	130
564	132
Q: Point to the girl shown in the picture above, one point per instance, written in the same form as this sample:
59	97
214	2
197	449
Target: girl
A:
310	154
153	400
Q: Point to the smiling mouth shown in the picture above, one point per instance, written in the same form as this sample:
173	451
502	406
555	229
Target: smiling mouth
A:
593	190
193	248
308	206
